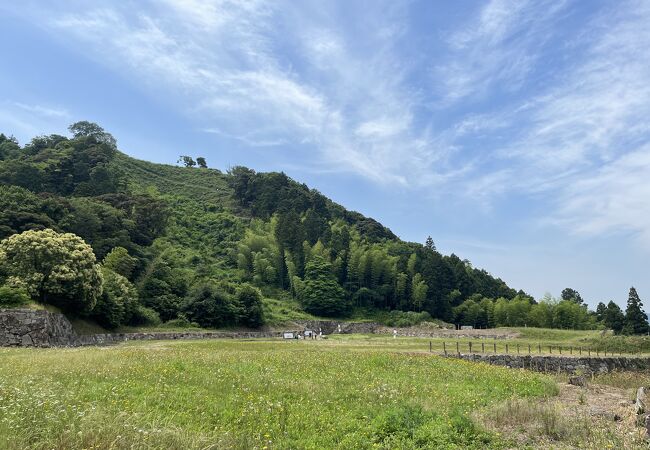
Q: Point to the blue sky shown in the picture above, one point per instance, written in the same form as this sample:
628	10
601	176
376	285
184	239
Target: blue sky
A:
515	133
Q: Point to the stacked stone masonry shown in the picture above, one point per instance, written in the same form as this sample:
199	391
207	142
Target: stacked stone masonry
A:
565	364
30	328
37	328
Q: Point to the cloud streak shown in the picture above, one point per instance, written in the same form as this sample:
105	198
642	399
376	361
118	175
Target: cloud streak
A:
518	100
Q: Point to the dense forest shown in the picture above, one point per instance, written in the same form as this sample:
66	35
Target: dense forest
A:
147	243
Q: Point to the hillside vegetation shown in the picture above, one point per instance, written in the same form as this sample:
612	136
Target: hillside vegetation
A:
187	239
192	246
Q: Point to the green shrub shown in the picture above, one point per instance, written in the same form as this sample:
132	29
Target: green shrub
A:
211	307
405	318
118	302
145	316
12	297
180	322
250	302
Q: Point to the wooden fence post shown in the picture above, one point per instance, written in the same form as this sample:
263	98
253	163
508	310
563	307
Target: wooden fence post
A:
539	348
457	348
517	348
482	347
430	347
529	349
495	346
506	349
470	346
444	348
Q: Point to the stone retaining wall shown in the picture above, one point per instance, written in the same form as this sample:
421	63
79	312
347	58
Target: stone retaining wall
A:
103	339
565	364
39	328
331	326
32	328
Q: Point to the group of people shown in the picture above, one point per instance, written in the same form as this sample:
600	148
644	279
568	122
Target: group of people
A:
310	334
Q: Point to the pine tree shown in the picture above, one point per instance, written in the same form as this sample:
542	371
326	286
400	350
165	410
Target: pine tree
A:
429	244
636	320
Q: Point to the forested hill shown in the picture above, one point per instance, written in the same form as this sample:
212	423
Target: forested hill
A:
187	238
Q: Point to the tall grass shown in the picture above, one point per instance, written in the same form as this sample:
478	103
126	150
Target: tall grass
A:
244	394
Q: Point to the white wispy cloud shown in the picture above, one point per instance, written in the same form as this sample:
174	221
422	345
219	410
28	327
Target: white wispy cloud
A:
613	200
518	103
219	60
42	110
497	49
26	120
582	142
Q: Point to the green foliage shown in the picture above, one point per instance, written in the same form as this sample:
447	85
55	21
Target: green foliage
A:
321	293
182	322
57	269
405	318
98	223
169	229
482	312
613	317
120	262
570	294
145	316
8	147
250	302
118	303
85	129
211	307
11	297
636	320
187	161
419	292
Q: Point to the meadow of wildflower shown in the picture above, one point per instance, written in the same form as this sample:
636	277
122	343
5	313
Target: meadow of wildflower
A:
249	394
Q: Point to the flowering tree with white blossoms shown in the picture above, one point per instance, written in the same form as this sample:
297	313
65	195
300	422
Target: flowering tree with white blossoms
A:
56	268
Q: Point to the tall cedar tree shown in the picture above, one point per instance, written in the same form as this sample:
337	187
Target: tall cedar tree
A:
636	320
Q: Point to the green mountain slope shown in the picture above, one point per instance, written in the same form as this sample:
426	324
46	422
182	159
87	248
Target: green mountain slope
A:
199	232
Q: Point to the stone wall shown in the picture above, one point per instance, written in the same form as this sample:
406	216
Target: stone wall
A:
565	364
331	326
103	339
34	328
39	328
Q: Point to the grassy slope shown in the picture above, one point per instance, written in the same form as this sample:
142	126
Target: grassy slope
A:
209	186
239	394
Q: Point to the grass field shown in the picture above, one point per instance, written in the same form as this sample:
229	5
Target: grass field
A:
540	339
244	394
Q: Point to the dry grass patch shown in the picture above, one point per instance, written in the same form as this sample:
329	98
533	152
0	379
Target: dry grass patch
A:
596	417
